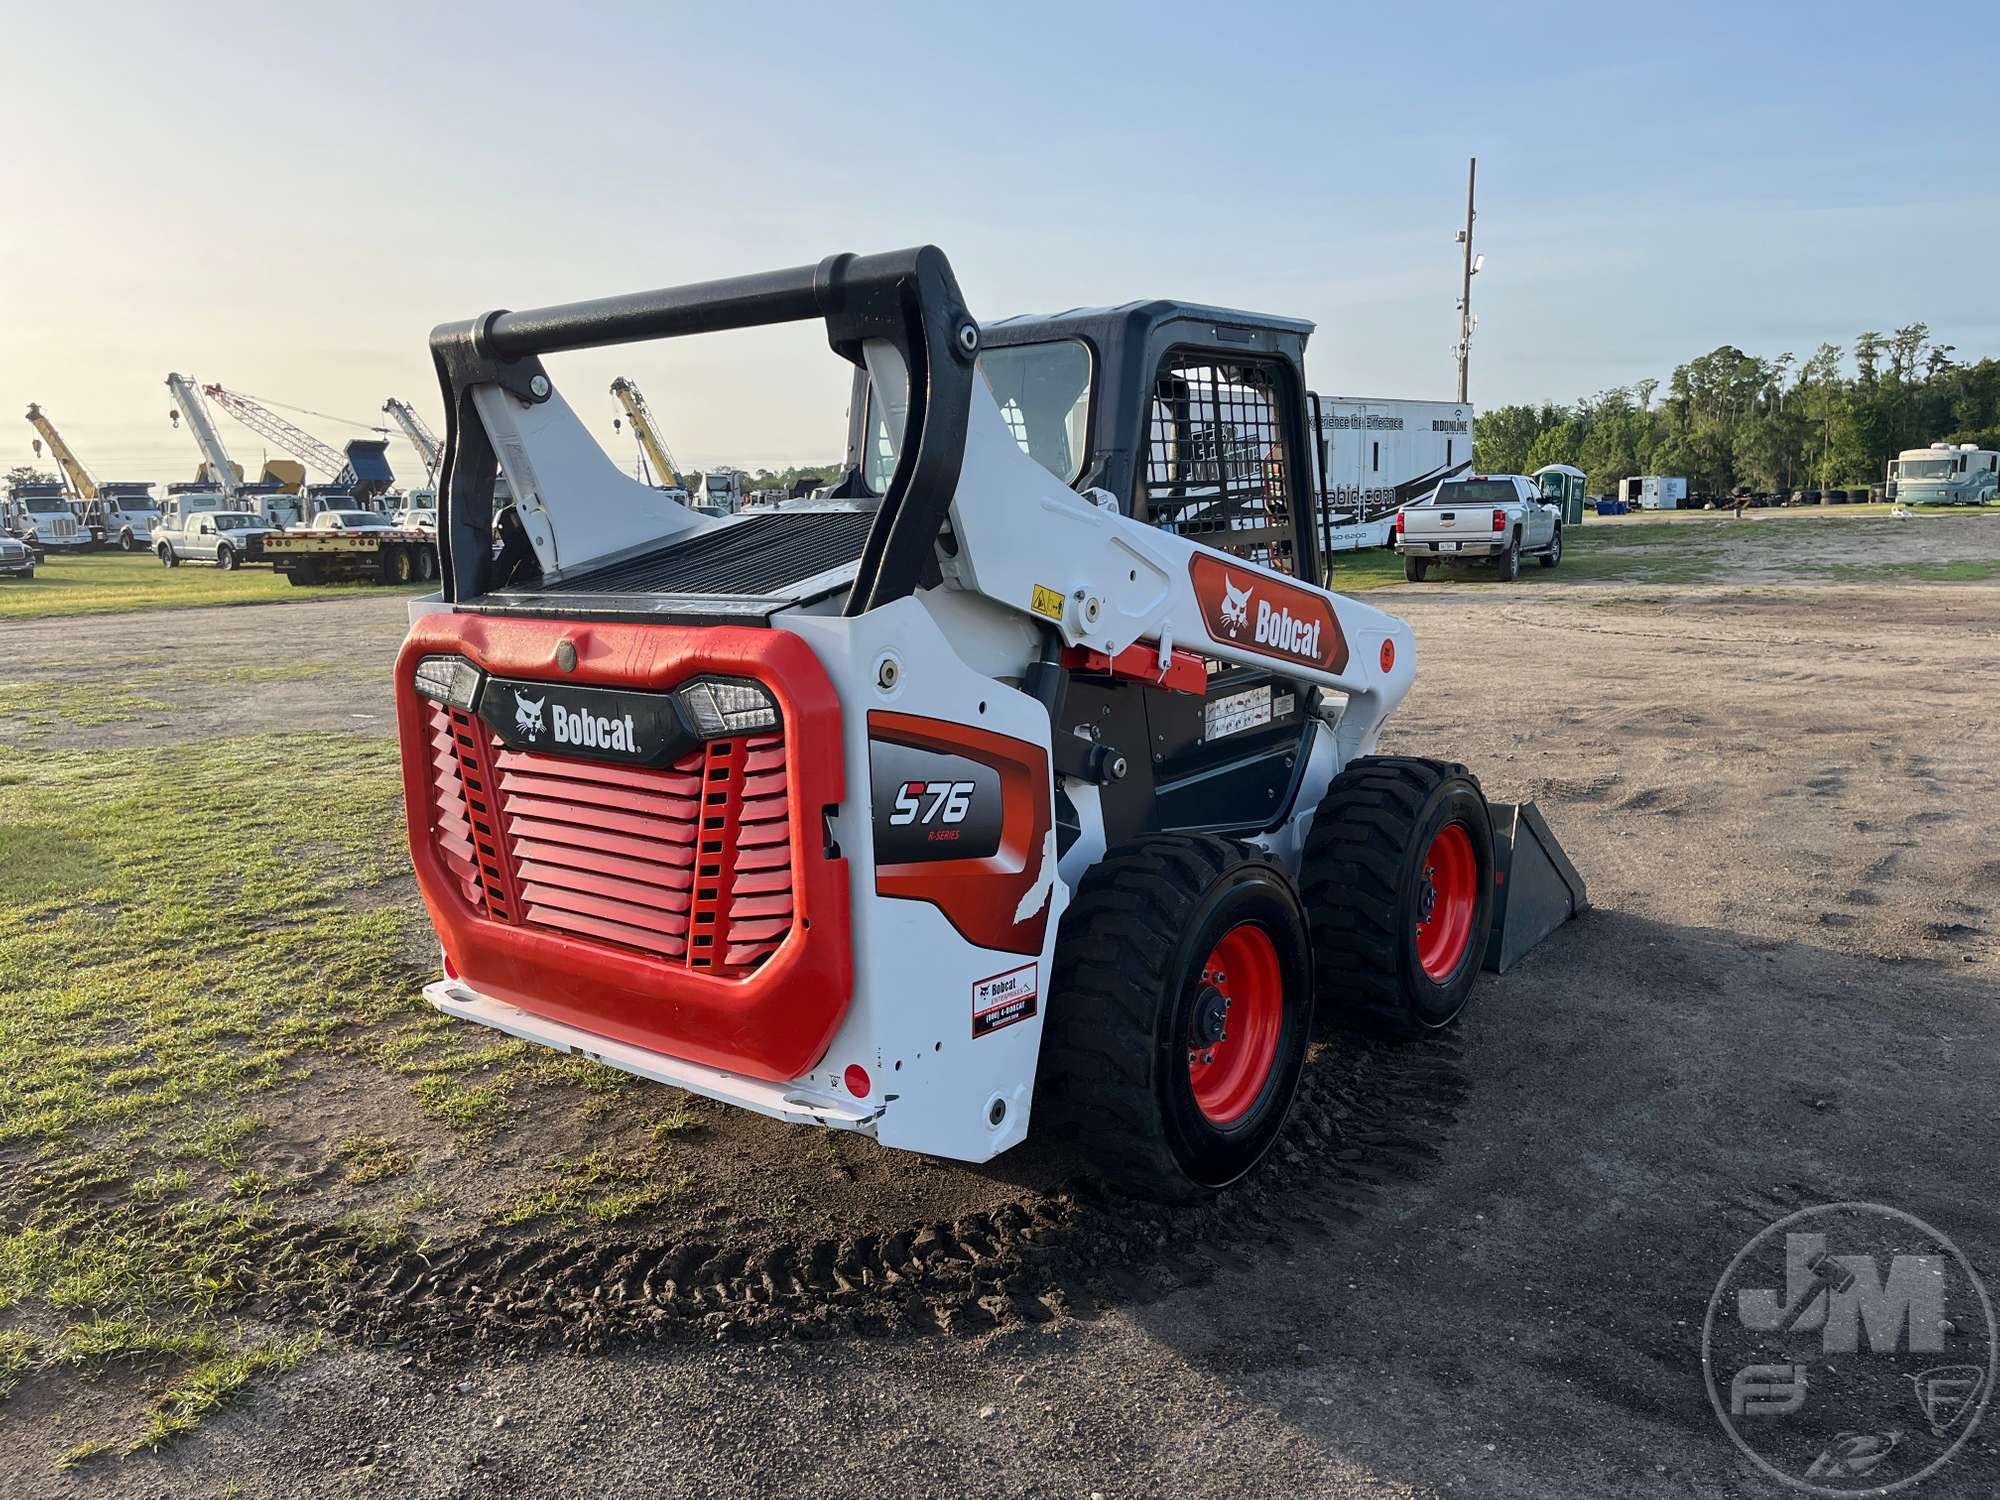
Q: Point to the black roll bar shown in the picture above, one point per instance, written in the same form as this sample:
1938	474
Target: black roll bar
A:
907	297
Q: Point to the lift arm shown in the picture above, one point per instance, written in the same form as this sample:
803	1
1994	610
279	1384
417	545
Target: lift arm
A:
187	400
72	466
648	431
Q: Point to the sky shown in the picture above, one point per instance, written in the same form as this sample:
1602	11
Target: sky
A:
285	199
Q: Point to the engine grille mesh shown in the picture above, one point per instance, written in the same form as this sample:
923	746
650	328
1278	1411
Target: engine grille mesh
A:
690	863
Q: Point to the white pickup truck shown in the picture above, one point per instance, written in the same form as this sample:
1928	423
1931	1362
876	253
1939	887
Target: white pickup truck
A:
227	538
1494	518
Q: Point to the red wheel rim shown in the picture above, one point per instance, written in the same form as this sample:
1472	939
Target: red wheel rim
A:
1446	900
1242	990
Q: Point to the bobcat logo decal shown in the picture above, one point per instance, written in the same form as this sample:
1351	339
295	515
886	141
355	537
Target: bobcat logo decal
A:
1235	606
1263	613
528	715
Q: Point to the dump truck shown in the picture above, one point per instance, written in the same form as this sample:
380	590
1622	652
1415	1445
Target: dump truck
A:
123	515
39	514
1033	778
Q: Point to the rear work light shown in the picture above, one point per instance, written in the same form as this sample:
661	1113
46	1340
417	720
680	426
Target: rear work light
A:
1499	520
451	680
720	707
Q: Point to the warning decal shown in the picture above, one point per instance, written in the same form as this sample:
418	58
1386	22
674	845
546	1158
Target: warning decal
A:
1237	712
1003	999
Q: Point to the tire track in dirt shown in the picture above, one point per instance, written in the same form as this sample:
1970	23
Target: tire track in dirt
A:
1369	1116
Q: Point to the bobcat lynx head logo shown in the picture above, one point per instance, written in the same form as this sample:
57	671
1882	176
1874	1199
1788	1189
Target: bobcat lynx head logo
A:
1235	605
528	715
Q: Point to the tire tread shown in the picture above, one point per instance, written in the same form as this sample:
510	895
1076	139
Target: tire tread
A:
1111	962
1348	879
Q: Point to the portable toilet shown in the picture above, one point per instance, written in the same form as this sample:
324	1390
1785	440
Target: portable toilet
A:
1562	486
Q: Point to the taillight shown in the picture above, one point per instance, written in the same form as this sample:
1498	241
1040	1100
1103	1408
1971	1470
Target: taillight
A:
1499	520
1399	523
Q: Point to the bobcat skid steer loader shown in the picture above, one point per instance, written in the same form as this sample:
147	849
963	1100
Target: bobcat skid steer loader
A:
1029	773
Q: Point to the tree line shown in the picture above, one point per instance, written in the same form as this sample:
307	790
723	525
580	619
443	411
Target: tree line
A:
1729	418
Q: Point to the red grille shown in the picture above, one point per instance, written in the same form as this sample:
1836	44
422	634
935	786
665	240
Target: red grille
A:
451	818
685	862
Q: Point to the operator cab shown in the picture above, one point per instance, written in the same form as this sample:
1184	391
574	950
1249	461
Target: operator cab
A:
1194	419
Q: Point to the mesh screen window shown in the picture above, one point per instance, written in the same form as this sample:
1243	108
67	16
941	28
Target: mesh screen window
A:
1215	459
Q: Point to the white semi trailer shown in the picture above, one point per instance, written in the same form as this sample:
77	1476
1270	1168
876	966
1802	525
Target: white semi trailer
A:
1378	455
1653	492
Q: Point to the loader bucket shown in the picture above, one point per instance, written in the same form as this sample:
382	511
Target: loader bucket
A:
1535	887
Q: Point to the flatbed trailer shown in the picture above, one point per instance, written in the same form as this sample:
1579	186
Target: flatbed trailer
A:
371	556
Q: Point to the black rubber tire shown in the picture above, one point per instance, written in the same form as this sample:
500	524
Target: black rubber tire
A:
426	564
167	557
400	564
1508	563
225	558
1555	553
127	542
304	574
1362	874
1113	1079
1414	568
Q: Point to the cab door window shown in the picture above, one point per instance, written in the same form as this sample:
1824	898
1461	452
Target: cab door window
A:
1216	470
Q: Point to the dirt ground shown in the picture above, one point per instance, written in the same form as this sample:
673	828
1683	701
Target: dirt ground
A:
1814	543
1477	1267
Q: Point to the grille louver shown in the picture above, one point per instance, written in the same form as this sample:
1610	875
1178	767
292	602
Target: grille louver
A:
691	862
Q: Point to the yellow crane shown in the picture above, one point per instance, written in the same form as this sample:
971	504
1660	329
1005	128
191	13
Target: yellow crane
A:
80	482
648	433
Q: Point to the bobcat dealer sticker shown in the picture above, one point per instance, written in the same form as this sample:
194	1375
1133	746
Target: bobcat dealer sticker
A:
1003	999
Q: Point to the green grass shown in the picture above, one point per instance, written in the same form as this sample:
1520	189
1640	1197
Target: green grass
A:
596	1186
111	582
371	1158
212	1384
48	702
1967	570
178	946
1358	572
173	944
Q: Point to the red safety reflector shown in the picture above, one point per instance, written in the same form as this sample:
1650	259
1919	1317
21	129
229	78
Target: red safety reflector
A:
856	1079
1499	520
1388	654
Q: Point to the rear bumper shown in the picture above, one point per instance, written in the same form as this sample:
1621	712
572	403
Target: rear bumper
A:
1467	546
789	1102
